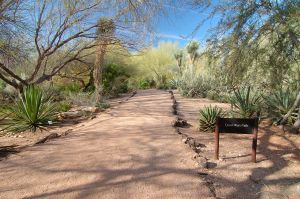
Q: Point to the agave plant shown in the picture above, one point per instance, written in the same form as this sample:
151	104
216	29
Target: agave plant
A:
208	117
278	104
244	103
31	111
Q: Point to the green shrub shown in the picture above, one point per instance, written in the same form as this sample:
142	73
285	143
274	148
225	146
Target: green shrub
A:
278	103
174	83
245	103
31	111
64	106
103	105
67	87
208	116
219	95
2	84
162	81
81	98
114	80
193	85
145	83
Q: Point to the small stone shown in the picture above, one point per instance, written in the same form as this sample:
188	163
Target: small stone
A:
179	122
66	132
184	140
71	115
210	165
201	161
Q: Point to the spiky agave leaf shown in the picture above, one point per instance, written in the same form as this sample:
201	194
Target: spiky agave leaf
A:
208	116
244	103
31	111
278	103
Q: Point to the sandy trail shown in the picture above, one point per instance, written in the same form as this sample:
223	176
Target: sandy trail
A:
130	152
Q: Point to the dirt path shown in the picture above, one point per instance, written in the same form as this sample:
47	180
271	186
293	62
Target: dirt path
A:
130	152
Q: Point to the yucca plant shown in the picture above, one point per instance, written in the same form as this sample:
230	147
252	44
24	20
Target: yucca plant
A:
245	103
278	103
31	111
208	117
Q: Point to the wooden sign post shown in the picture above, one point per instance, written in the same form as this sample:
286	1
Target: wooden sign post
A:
239	126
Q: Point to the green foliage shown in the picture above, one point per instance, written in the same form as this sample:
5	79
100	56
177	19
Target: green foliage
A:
81	98
2	84
31	111
115	80
279	102
64	106
245	103
219	95
158	64
74	88
103	105
208	116
143	83
192	49
193	85
242	53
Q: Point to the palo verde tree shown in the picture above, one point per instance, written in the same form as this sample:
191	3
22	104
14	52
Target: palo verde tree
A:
260	34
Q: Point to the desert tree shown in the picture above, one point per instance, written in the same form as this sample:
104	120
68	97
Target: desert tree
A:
260	33
58	33
179	58
192	50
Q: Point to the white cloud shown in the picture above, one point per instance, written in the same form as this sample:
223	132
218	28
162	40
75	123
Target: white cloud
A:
170	36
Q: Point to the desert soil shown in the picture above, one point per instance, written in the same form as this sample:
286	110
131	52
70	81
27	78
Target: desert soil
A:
130	151
276	175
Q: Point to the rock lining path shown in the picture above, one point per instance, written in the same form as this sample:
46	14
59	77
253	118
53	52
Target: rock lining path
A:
129	152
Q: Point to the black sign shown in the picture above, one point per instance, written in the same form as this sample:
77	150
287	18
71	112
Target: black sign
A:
237	125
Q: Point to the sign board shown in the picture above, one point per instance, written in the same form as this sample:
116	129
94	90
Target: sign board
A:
238	126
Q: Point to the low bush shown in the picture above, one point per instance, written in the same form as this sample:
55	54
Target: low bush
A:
64	106
81	99
192	85
208	117
114	80
143	83
103	105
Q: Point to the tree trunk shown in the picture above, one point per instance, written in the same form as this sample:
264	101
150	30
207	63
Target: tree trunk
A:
296	103
88	86
297	122
98	69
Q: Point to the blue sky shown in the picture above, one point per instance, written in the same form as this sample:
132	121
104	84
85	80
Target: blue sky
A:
180	24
